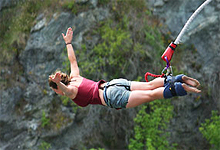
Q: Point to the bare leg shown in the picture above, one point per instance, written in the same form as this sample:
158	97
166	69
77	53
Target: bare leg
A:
157	82
139	97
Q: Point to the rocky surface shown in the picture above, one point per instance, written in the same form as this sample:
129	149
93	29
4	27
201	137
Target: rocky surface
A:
22	106
7	3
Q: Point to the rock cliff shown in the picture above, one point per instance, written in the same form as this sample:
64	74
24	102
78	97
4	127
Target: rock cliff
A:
23	105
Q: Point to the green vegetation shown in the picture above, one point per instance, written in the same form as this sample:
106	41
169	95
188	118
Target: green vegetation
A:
130	36
58	120
97	149
45	121
211	130
44	146
55	120
75	7
66	101
109	56
117	50
16	23
151	124
127	7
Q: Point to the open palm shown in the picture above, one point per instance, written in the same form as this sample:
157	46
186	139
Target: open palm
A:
56	78
69	35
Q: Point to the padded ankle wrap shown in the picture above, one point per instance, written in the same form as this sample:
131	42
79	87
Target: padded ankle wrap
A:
169	79
174	89
178	78
169	90
179	89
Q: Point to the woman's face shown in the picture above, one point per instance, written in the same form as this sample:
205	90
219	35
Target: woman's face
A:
58	91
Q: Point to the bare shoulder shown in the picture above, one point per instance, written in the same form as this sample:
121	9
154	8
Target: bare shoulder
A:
76	78
76	81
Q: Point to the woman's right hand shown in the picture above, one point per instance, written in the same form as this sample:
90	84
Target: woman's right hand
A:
69	35
56	78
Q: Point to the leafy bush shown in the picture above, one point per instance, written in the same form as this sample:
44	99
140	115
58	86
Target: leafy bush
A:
45	121
111	53
44	146
150	127
211	130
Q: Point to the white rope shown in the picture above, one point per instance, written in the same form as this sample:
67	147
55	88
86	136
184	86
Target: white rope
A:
178	39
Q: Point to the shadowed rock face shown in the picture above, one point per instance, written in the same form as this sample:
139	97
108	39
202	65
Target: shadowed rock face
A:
7	3
21	107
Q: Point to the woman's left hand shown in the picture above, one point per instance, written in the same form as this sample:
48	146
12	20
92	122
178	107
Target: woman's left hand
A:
56	78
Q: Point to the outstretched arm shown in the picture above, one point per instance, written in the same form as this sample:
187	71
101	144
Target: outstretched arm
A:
71	54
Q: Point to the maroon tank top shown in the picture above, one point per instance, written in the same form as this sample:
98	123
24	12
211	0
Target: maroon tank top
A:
88	93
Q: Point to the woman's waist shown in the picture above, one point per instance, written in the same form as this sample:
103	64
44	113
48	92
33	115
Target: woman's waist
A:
101	91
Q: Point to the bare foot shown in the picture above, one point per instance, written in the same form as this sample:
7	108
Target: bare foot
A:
190	81
190	89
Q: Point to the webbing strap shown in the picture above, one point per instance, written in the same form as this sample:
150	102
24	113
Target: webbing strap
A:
172	87
117	84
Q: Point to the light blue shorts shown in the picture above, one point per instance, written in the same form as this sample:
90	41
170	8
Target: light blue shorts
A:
117	92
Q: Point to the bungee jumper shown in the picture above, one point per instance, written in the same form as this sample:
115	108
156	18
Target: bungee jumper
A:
118	93
122	93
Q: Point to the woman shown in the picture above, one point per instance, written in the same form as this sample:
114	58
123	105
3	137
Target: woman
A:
118	93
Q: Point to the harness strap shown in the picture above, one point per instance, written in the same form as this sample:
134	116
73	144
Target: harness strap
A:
172	87
117	84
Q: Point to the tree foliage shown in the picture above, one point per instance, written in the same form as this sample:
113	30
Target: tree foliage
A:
151	125
110	55
211	130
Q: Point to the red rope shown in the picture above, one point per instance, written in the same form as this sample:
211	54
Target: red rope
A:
153	75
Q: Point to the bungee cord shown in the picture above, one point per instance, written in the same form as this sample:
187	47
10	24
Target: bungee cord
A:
185	28
167	55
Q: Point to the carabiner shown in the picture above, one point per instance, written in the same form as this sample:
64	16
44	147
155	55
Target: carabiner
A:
169	71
